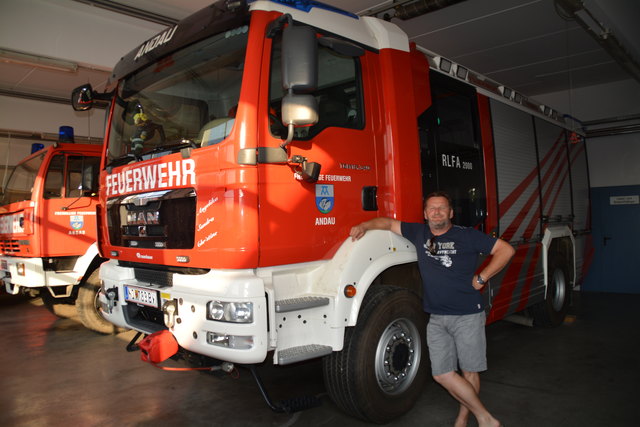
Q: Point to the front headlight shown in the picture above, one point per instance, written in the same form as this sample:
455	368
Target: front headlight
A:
235	312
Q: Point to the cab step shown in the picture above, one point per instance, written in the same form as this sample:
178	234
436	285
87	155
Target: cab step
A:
303	352
302	303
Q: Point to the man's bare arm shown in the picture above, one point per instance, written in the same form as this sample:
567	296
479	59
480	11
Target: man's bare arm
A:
501	253
382	223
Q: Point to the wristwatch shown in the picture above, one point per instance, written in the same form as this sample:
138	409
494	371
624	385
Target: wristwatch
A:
480	280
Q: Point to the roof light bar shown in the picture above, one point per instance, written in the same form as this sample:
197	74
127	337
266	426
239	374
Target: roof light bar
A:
307	5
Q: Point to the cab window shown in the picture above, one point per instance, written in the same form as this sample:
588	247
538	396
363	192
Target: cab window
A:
339	93
54	180
82	176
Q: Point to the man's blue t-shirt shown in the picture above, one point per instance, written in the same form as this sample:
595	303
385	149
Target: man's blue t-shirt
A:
447	275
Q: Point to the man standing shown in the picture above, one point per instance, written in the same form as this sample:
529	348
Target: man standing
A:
447	259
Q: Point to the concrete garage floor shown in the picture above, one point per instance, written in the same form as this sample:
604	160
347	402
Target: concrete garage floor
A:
53	372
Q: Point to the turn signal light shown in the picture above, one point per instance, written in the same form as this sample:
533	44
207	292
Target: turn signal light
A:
350	291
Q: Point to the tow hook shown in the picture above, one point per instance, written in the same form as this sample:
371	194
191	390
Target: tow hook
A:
170	311
112	298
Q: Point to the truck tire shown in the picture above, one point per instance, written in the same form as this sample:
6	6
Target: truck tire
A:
87	306
552	311
380	372
62	307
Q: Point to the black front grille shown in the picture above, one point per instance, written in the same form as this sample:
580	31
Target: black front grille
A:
154	277
8	246
153	221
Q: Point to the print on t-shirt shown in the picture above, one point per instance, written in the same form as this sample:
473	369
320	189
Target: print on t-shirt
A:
444	248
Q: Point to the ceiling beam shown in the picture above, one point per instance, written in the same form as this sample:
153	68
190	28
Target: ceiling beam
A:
131	11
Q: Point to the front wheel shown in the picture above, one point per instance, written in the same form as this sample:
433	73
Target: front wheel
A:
88	307
381	370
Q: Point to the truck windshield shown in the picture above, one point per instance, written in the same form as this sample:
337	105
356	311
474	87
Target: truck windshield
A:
22	180
188	98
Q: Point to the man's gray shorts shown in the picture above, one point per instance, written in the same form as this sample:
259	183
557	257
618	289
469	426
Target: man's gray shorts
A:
457	340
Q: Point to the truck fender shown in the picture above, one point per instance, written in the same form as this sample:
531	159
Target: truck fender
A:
359	263
88	262
551	234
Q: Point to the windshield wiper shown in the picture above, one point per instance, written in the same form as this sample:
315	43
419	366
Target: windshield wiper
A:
124	159
129	157
172	147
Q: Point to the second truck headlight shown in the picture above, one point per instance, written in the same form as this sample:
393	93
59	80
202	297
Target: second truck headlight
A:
235	312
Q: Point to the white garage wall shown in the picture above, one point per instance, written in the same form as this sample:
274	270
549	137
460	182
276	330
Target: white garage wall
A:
99	37
17	114
620	98
36	116
613	160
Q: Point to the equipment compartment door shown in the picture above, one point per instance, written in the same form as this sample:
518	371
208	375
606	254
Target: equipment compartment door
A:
451	149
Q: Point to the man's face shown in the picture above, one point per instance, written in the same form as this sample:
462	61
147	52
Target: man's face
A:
438	213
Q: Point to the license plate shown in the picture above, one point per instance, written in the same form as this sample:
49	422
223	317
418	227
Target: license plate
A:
141	296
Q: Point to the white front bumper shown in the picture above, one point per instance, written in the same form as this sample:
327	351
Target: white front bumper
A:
192	293
34	274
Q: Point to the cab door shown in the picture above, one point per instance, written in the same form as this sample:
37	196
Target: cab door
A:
68	214
304	221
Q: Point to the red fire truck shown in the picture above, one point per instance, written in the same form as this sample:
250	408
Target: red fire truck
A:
245	142
48	230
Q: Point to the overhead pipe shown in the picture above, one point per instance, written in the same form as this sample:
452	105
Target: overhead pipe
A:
616	130
421	7
131	11
574	9
612	120
612	130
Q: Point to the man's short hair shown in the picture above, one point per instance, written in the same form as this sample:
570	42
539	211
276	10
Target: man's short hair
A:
438	194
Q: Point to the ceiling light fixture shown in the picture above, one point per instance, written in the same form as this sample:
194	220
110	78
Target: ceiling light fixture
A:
23	58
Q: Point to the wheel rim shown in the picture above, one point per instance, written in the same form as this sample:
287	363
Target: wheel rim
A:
398	356
558	290
96	303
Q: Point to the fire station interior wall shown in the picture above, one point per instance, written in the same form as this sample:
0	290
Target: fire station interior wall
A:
98	37
613	160
24	115
65	29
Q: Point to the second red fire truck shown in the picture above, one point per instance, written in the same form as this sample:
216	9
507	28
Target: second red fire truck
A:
48	231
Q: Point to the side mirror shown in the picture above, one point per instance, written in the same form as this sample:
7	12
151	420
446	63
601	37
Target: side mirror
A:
82	98
299	110
299	59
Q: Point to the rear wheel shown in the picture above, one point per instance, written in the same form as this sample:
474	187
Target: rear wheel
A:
552	311
381	370
88	306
